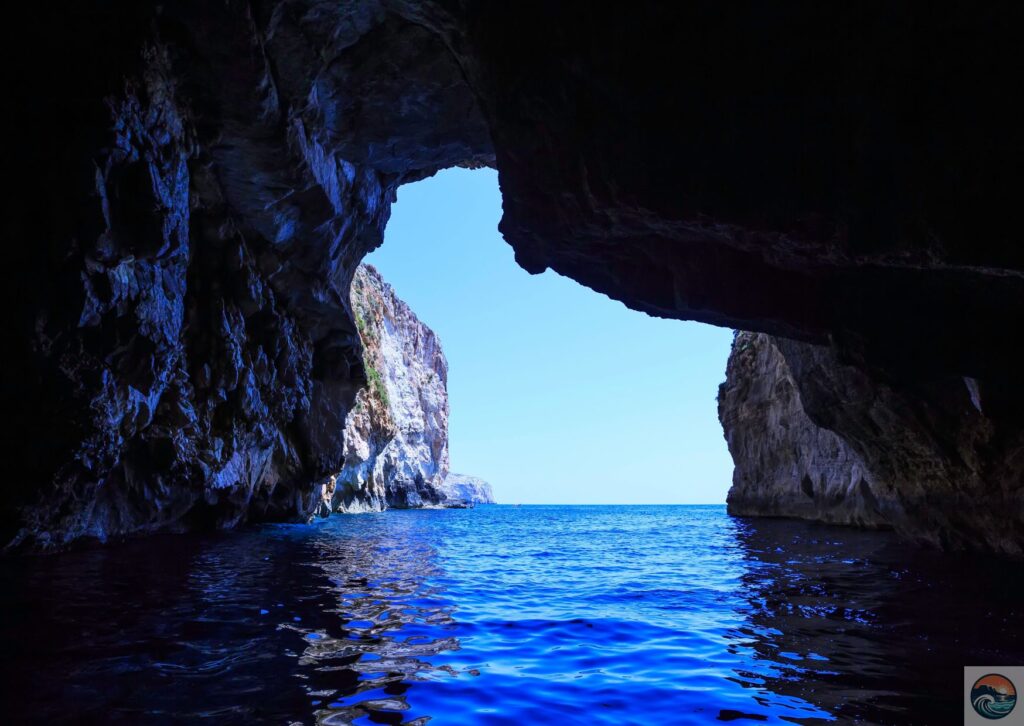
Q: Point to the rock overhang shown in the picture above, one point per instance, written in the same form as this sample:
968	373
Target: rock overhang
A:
833	175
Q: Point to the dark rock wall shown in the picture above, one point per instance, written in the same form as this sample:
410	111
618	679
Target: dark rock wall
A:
816	438
766	167
195	183
186	254
785	464
951	449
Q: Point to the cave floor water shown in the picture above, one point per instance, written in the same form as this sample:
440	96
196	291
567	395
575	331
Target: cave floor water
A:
534	614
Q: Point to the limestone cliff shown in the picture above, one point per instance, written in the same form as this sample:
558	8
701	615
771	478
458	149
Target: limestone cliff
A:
468	489
396	435
813	436
786	465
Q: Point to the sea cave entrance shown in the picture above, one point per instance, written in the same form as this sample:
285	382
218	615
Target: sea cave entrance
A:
557	394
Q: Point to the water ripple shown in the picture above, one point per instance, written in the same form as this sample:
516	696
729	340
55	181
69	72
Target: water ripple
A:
505	615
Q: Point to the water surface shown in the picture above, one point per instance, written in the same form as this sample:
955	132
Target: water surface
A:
505	615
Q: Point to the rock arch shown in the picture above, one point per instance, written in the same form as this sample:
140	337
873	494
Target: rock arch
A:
840	177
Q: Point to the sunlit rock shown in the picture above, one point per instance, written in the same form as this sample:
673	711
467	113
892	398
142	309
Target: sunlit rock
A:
467	489
396	435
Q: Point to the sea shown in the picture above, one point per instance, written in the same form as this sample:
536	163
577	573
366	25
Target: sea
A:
505	615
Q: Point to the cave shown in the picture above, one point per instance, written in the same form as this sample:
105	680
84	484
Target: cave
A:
194	185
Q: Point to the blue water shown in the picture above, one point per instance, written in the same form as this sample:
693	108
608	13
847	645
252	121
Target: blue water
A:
505	615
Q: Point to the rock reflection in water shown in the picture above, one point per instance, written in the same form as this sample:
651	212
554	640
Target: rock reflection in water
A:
266	624
389	623
869	628
504	615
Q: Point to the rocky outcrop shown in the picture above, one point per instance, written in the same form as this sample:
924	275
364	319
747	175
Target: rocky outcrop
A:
186	354
396	435
815	437
194	184
785	464
467	489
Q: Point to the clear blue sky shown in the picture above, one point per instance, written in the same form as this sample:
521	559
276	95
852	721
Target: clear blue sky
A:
558	394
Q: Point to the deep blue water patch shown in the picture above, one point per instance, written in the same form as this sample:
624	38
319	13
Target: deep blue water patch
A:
505	615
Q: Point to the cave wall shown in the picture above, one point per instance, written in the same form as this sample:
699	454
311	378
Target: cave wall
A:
785	465
948	449
814	437
195	184
184	334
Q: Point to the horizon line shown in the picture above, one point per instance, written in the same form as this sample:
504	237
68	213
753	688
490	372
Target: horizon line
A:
612	504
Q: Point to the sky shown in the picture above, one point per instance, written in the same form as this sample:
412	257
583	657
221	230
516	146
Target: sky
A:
557	394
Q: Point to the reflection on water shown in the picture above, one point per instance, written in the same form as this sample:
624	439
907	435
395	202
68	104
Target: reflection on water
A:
277	624
505	615
871	629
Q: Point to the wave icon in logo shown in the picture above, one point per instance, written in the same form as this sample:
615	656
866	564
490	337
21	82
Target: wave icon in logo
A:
993	696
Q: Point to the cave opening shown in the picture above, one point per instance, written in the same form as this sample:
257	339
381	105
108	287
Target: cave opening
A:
557	394
232	165
196	184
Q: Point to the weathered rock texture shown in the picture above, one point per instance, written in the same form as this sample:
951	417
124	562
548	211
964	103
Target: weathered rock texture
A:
816	438
468	489
396	435
194	183
785	464
207	178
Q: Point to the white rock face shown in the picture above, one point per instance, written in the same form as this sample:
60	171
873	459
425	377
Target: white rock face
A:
396	436
467	489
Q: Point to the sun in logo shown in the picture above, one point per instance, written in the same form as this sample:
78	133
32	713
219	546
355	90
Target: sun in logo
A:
993	696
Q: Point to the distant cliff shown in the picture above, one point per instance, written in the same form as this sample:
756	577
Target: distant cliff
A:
468	489
396	435
785	464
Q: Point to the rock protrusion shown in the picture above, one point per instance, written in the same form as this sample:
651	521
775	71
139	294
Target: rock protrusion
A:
813	436
396	435
786	465
462	488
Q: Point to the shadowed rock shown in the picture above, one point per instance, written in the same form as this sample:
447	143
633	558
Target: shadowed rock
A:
785	464
816	438
195	183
